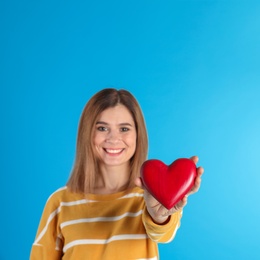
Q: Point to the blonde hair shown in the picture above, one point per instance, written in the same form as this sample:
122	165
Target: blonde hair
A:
85	168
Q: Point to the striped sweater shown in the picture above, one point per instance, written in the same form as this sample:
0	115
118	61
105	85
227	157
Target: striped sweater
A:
115	226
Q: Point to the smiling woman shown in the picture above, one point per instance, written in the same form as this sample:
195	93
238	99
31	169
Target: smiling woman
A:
101	214
100	117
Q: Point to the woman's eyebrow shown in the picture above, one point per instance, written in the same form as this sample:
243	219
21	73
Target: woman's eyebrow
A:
121	124
125	124
101	123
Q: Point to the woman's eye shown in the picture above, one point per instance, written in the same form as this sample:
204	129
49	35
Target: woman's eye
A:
102	128
124	129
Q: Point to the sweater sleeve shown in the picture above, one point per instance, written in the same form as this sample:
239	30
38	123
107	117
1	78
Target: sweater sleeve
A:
48	241
161	233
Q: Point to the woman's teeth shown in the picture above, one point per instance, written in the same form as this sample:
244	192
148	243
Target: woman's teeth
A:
113	150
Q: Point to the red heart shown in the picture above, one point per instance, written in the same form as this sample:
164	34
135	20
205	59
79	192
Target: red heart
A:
168	184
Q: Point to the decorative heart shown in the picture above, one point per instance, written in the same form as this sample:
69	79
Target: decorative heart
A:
168	184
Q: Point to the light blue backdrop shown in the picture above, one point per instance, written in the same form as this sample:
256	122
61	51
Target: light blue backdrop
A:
194	66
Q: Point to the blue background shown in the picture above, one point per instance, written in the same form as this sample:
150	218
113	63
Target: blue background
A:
193	66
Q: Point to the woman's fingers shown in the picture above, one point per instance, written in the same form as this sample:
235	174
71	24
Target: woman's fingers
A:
195	159
197	181
179	206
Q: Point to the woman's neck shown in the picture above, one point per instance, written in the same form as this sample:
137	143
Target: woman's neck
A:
112	179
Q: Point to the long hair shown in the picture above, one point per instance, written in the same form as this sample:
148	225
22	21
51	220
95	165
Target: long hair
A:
82	179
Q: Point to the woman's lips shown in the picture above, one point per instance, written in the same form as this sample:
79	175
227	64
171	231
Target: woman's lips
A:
113	151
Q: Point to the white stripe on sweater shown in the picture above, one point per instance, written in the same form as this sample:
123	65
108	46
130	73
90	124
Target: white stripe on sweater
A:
153	258
50	218
131	195
103	241
101	219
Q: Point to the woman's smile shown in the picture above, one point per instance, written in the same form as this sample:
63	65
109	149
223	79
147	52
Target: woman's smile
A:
113	151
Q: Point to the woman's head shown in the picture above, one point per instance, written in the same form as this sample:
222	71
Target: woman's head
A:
86	162
114	139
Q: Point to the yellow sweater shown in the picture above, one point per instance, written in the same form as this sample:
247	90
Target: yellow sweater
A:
115	226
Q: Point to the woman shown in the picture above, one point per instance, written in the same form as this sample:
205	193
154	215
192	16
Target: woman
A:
103	212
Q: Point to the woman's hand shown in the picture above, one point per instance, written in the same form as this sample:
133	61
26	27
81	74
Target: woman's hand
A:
156	210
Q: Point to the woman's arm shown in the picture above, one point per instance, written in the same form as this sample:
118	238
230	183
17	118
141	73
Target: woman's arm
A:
48	242
162	216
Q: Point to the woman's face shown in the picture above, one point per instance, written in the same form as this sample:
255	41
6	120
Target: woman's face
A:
115	136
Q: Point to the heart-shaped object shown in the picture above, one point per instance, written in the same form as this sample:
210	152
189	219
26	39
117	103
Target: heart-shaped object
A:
168	184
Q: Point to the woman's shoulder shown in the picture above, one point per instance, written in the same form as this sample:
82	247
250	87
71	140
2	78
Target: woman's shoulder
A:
57	193
63	194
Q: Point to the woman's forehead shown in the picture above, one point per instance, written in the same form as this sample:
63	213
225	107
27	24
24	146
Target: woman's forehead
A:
118	114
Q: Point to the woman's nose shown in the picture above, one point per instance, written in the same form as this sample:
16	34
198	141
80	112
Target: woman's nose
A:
113	137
